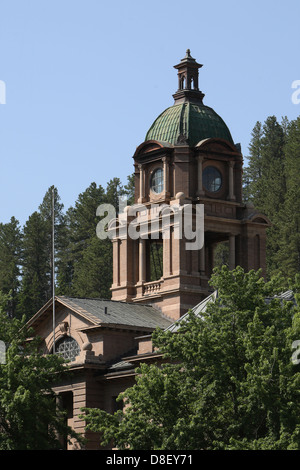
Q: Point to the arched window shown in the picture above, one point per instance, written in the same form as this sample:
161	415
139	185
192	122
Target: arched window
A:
68	348
182	82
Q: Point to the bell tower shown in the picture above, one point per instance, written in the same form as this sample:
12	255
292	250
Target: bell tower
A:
188	169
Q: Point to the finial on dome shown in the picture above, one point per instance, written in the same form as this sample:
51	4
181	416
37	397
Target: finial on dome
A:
188	56
188	78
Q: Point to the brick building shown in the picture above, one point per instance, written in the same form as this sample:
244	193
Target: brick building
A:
188	160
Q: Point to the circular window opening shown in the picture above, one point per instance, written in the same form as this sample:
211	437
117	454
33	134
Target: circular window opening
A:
68	348
212	179
157	181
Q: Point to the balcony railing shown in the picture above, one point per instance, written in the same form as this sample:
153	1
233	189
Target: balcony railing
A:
152	287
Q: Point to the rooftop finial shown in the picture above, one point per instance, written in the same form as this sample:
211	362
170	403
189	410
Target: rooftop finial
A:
188	57
188	89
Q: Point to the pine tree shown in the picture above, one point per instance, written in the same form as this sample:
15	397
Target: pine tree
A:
115	193
253	171
60	231
10	260
289	252
93	273
36	279
130	189
266	181
273	187
80	228
272	182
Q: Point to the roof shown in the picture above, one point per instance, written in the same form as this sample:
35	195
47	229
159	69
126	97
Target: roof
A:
201	307
111	312
198	309
287	296
194	121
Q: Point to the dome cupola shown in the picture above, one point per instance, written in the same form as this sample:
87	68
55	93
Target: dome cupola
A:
188	120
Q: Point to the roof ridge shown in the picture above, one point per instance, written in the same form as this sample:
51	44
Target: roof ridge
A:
99	298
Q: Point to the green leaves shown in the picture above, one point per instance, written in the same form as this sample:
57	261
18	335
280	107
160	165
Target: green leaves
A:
29	418
10	260
227	381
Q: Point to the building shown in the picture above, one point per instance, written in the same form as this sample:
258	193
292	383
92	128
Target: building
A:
187	169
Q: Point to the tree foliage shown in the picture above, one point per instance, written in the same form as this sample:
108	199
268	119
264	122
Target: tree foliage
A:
228	383
83	262
29	417
10	261
271	183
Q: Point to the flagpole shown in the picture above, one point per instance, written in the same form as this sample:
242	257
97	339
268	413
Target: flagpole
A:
53	271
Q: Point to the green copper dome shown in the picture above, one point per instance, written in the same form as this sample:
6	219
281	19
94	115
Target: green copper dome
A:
188	121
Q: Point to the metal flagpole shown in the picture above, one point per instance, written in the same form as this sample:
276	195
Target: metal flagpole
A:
53	272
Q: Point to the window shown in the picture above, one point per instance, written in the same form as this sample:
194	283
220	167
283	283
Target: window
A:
154	252
68	348
157	181
212	179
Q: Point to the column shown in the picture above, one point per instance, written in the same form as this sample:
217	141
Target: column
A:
200	191
167	252
231	195
166	176
116	261
231	252
142	260
202	261
142	195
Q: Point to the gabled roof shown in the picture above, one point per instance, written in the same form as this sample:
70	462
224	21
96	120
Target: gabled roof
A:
201	307
100	312
118	313
198	309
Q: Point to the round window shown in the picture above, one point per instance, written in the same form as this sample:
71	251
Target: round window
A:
157	181
68	348
212	179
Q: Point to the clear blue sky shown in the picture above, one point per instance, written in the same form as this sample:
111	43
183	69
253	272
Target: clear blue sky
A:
85	79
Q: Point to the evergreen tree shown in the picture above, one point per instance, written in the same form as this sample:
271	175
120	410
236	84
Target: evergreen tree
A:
87	269
289	252
36	281
130	189
60	231
115	192
253	171
10	260
79	255
265	179
272	184
81	222
93	274
273	187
